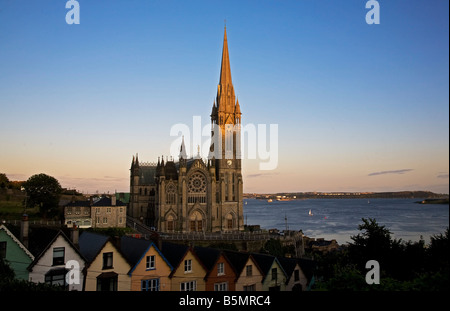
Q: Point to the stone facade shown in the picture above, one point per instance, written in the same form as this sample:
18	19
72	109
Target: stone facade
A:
104	212
195	194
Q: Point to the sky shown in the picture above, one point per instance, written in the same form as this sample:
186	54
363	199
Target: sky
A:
357	106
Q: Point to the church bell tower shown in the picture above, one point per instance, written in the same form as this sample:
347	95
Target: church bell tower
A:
226	139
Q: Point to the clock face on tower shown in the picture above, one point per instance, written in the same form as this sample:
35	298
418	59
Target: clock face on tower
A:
229	162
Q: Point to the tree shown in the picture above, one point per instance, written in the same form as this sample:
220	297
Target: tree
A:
43	191
4	181
274	247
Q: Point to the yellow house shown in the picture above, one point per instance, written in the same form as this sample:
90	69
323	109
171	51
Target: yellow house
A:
249	274
107	268
189	274
150	269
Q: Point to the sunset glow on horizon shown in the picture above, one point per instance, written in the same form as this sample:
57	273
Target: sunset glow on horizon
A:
358	107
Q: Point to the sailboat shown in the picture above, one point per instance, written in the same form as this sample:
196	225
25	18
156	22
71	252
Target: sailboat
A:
310	213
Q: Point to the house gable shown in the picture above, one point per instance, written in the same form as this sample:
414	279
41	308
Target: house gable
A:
16	254
189	274
47	266
108	264
151	271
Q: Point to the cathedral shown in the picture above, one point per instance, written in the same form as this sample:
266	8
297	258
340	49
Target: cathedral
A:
192	194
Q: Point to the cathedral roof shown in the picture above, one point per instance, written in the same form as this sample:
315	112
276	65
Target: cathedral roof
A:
171	171
147	175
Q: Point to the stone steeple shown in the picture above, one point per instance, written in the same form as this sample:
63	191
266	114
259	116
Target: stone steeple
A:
225	91
225	71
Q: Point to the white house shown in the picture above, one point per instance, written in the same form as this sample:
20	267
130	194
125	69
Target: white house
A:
60	263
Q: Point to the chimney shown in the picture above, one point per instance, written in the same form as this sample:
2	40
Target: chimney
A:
113	200
74	234
24	228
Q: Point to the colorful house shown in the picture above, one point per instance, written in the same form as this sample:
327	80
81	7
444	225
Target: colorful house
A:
188	272
274	276
248	274
150	269
296	279
15	253
60	263
220	275
107	268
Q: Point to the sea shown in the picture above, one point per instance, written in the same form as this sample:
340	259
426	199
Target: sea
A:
339	218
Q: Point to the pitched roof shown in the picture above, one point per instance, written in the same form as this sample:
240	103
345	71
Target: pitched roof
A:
173	252
135	249
147	174
265	262
105	201
60	233
308	267
288	265
16	240
208	256
239	260
91	243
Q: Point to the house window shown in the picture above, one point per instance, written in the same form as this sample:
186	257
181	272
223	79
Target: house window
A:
151	285
97	219
58	256
274	274
97	210
105	220
220	287
107	260
3	249
249	270
150	262
250	288
56	277
220	268
187	265
107	283
108	210
188	286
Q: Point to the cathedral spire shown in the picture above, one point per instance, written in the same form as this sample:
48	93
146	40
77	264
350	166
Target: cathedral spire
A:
225	71
183	154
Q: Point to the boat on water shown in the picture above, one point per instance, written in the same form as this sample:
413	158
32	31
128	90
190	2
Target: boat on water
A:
269	200
310	213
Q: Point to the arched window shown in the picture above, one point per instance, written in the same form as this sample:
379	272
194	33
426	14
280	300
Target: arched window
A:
196	222
170	223
229	221
171	194
196	188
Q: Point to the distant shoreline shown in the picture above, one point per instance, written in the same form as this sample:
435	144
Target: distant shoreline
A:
423	195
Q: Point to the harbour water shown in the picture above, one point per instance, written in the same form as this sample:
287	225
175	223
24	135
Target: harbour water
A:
339	218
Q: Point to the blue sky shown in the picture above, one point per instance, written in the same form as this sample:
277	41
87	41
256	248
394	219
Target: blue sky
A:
359	107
